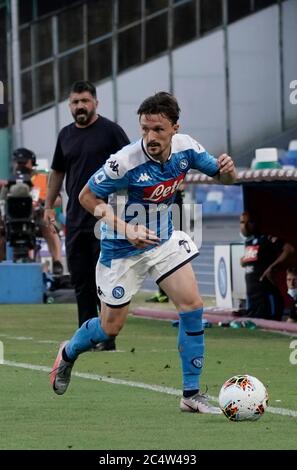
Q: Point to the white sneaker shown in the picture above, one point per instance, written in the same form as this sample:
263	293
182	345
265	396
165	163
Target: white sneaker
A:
198	404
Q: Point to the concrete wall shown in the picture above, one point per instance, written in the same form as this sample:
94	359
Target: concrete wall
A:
199	83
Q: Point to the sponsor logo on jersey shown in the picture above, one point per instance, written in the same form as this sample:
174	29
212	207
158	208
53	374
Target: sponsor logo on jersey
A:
118	292
161	191
143	177
251	253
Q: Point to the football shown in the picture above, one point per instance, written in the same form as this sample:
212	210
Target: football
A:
243	398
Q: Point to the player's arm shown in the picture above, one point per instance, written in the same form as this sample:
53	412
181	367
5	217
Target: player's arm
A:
281	262
54	186
221	169
139	235
227	172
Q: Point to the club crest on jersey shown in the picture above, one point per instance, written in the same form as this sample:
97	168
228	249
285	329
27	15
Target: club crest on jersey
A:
161	191
118	292
183	164
197	362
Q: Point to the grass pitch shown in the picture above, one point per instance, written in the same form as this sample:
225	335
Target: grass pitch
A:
95	414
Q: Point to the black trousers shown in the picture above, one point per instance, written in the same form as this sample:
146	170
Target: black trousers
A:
263	303
82	250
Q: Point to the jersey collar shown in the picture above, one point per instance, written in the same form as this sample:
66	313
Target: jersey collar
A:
153	159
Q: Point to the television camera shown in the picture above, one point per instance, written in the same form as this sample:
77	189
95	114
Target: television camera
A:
20	207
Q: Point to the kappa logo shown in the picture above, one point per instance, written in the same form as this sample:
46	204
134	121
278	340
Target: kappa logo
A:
114	166
161	191
143	177
99	291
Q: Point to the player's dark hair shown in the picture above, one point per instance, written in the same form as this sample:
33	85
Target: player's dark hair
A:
161	103
292	271
83	85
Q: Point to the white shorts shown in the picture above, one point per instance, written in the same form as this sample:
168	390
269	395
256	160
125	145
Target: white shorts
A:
116	285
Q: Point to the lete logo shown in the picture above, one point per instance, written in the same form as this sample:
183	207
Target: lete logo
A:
160	192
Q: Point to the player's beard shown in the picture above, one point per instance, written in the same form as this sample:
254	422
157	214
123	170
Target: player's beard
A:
154	151
82	117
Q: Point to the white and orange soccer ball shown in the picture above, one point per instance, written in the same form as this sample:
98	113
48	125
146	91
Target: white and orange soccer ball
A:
243	398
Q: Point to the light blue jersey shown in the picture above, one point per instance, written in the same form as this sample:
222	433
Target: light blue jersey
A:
150	184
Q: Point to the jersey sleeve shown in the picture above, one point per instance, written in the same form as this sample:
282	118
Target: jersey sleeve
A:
202	160
59	163
102	184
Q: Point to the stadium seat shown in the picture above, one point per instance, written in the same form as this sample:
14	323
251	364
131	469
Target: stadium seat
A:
265	158
210	207
227	206
290	158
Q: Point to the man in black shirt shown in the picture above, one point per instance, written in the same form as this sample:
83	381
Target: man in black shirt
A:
264	256
82	147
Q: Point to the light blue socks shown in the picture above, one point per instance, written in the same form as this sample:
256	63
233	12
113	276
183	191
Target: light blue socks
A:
86	337
191	348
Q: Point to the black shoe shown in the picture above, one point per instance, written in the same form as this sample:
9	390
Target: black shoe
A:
108	345
58	268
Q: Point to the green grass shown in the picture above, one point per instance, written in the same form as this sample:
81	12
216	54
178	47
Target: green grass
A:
100	415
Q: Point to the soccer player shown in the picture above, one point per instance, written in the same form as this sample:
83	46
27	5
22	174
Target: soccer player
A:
150	170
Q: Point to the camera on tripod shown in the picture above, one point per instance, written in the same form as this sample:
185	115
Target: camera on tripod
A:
19	217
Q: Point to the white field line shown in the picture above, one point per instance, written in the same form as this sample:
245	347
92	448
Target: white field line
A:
153	388
50	341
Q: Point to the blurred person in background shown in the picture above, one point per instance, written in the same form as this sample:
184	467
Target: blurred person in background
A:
264	257
82	147
24	169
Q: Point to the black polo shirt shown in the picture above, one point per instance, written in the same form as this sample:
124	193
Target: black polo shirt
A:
80	152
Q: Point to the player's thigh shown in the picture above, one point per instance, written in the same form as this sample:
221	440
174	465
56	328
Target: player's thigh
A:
182	288
113	319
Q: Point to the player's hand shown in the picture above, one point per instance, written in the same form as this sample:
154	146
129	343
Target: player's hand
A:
140	236
226	164
268	274
49	218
